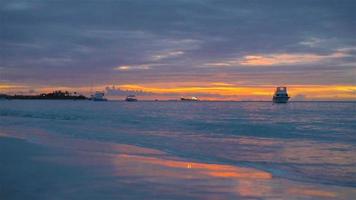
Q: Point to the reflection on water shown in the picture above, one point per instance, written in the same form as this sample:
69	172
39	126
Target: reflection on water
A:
187	169
139	167
172	150
302	158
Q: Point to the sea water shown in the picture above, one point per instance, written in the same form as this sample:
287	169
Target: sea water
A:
177	150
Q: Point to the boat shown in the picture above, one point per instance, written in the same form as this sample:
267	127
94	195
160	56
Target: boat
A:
131	98
189	99
98	96
280	95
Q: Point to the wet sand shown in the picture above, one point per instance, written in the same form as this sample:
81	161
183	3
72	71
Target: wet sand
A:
51	167
171	150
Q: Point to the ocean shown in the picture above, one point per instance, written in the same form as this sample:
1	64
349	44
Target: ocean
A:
177	150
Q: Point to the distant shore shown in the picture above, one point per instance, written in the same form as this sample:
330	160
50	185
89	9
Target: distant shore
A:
60	95
201	101
56	95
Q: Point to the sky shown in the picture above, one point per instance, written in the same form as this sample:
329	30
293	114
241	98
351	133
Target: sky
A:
213	49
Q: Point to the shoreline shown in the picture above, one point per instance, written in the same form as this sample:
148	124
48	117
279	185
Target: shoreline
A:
113	100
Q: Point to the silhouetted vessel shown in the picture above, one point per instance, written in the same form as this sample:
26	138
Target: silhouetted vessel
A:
98	96
131	98
189	99
280	95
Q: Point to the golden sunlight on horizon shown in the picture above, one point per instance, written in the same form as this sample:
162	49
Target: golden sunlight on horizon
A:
205	91
228	91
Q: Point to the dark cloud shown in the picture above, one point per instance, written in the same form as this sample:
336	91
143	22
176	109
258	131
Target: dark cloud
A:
300	97
113	91
76	43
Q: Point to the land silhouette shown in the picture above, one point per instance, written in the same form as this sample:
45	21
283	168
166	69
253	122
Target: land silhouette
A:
55	95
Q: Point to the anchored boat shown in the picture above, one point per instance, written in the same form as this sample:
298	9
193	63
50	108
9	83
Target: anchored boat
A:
189	99
98	96
280	95
131	98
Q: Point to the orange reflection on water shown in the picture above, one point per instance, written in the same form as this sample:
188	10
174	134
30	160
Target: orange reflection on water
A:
194	169
253	188
163	173
311	192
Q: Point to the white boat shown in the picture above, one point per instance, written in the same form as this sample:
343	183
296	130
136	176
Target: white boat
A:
131	98
189	99
98	96
280	95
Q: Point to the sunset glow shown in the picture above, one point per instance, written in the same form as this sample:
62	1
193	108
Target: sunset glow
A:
207	91
177	99
181	51
227	91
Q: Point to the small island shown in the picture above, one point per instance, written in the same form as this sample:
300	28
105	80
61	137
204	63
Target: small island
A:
55	95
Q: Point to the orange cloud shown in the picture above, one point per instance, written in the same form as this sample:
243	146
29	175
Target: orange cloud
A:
278	59
133	67
286	59
221	84
6	87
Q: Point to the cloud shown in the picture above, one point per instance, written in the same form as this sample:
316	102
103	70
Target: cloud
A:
114	91
66	44
220	64
221	84
133	67
287	59
165	55
138	67
279	59
311	42
299	97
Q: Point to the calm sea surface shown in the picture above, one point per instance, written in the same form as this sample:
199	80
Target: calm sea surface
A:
177	150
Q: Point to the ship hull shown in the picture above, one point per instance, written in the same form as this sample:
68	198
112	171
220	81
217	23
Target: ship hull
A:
280	99
130	100
190	99
100	100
